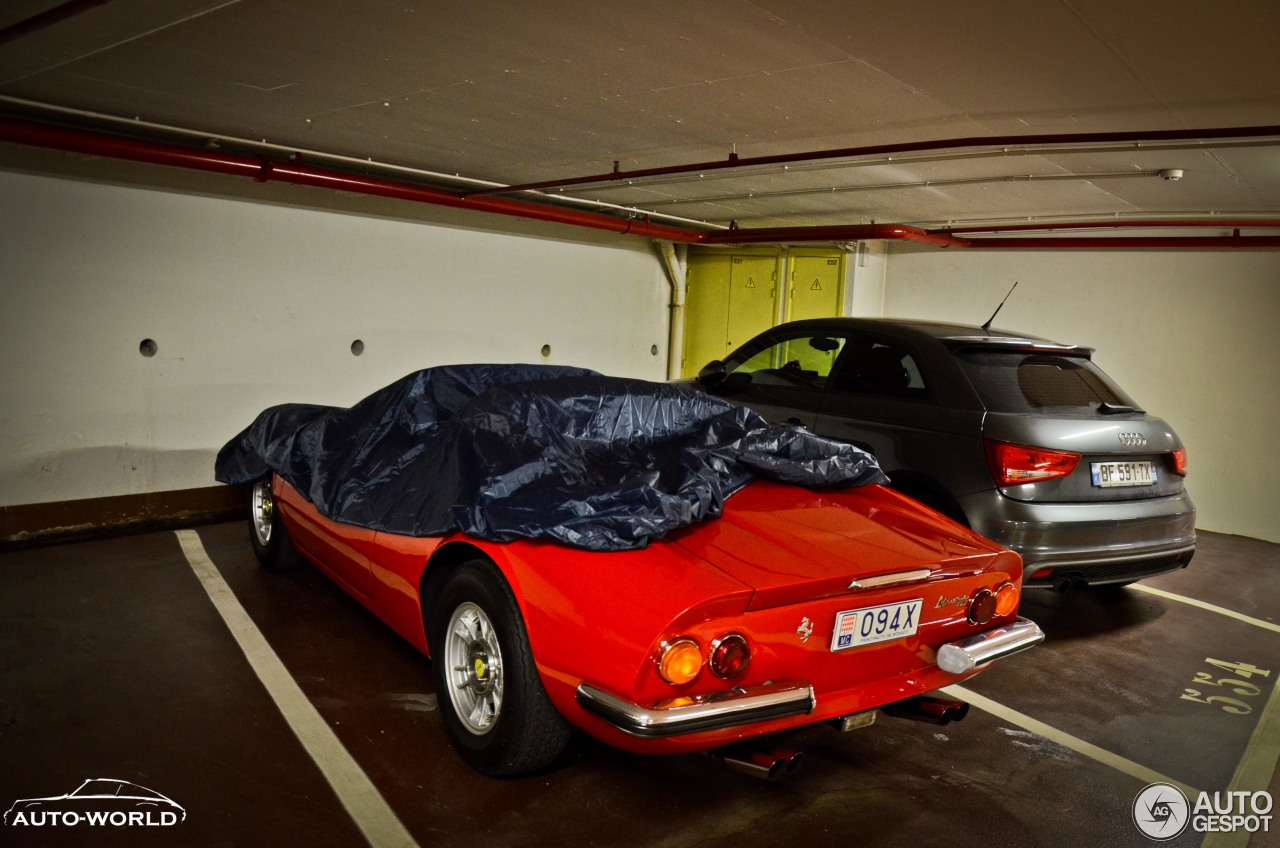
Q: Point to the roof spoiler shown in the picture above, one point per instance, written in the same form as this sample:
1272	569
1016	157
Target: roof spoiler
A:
1016	343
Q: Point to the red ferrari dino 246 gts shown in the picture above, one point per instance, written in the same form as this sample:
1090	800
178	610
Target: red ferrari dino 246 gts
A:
795	607
658	568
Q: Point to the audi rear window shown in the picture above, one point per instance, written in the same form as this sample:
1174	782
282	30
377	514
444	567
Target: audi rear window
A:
1022	381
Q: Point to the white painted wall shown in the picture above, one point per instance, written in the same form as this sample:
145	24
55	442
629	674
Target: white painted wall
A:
253	304
865	280
1191	335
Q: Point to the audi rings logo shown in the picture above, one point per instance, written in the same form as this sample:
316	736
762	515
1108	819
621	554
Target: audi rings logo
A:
1133	440
1161	812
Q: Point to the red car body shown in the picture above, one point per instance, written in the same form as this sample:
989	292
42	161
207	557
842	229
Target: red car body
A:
777	567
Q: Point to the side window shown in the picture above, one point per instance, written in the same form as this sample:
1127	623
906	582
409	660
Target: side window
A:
803	361
885	369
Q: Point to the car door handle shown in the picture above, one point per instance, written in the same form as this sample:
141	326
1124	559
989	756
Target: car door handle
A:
796	422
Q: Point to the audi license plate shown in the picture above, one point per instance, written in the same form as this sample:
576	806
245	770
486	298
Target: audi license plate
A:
1109	474
875	624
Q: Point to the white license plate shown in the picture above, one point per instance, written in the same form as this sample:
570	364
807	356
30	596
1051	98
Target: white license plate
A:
875	624
1109	474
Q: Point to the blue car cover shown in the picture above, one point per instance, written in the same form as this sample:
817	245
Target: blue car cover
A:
541	452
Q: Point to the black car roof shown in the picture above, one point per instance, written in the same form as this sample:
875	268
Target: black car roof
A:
952	335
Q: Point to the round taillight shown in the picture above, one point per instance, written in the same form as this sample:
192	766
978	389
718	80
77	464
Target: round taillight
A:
680	662
982	607
730	655
1007	596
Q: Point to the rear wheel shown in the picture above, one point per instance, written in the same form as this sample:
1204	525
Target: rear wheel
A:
495	709
271	543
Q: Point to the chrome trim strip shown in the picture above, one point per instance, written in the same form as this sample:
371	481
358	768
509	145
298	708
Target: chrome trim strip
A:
1152	553
967	654
915	575
708	712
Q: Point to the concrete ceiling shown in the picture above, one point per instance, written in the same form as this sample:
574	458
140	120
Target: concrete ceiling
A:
512	93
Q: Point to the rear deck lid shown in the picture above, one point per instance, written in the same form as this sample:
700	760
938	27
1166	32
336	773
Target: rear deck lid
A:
793	545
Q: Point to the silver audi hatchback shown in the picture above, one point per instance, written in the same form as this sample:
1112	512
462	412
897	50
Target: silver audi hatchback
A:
1024	440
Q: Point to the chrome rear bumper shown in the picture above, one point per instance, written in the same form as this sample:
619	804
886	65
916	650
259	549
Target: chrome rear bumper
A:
967	654
750	704
704	712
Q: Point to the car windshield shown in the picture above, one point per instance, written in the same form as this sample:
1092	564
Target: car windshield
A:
1020	381
799	361
98	787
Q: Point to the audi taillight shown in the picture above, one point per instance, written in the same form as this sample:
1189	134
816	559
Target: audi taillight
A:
1178	462
1013	465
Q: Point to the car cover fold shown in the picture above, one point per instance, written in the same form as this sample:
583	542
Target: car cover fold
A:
532	451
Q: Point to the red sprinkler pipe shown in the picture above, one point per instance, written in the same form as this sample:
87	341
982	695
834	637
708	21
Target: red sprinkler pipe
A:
47	18
264	170
298	175
1131	243
1150	224
849	232
1018	141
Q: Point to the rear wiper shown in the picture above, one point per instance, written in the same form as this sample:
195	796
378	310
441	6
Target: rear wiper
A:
1115	408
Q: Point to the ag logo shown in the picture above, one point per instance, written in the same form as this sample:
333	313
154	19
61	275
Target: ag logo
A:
1161	812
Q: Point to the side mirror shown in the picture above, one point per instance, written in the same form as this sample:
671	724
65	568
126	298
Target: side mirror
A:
713	372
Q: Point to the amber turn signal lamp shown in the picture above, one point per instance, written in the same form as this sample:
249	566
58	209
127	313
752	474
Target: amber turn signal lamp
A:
674	703
730	655
982	607
1007	596
680	662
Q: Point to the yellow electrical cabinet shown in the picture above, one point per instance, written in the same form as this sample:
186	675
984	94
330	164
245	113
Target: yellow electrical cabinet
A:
815	285
732	296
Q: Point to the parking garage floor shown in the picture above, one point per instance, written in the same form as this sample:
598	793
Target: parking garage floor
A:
116	663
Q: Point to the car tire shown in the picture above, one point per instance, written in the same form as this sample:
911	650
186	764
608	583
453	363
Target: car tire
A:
495	709
271	543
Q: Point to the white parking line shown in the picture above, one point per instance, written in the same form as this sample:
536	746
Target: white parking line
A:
1066	740
366	806
1257	765
1255	769
1183	599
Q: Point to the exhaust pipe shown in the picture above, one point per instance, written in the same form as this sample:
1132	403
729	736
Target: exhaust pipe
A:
756	761
1068	583
930	710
